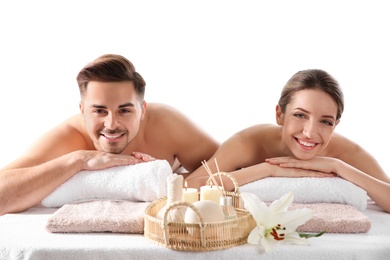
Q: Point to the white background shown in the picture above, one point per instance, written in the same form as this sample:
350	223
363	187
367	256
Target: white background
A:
222	63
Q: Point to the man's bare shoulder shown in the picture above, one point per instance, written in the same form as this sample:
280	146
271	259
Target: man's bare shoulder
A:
166	116
159	109
169	133
68	136
71	131
74	123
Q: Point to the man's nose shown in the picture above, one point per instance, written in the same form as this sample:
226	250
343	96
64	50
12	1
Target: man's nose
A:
111	121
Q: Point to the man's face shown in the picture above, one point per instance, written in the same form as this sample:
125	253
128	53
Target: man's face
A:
112	113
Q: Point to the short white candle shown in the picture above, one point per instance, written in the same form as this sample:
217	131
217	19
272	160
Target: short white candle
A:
190	195
210	193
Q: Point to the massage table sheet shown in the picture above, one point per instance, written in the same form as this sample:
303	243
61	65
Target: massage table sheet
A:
23	236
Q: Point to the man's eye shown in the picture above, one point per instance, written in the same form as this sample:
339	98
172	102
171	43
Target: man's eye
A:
99	111
124	111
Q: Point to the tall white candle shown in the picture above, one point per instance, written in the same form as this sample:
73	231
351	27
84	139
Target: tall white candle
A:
210	193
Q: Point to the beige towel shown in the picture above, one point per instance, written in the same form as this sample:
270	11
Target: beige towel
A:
99	216
334	218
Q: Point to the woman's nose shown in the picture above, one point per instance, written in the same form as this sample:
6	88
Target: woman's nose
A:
310	129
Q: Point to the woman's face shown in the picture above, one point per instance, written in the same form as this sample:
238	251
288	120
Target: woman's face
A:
308	123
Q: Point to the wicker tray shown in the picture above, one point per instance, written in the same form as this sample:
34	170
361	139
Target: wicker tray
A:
203	236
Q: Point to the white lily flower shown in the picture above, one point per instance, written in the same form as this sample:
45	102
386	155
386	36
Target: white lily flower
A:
275	223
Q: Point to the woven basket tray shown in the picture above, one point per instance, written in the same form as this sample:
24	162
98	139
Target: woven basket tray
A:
203	236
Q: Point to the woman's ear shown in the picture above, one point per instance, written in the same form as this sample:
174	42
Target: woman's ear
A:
279	115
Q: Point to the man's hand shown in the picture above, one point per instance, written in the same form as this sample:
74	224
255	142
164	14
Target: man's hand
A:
97	160
143	156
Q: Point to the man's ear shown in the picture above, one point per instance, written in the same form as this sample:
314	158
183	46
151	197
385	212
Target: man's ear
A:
143	109
279	115
81	107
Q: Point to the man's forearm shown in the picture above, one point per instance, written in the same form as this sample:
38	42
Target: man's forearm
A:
22	188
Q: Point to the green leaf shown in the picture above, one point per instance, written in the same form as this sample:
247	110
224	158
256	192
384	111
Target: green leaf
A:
307	235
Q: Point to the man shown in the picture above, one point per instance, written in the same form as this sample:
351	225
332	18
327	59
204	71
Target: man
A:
115	127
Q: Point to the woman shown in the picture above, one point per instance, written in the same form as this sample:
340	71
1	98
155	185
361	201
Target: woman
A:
302	144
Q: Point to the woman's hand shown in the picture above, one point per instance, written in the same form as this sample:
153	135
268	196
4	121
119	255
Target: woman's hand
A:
292	167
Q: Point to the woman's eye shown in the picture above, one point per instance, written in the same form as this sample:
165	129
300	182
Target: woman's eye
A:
300	115
327	122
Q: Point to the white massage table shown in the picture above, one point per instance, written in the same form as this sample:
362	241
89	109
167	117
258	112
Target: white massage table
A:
23	236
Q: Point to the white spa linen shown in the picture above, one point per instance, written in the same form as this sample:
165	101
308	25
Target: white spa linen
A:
23	236
144	182
309	190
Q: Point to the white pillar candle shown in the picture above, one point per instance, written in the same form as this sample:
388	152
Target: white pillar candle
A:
190	195
210	193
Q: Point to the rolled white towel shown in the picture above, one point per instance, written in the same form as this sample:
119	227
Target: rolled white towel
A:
144	182
309	190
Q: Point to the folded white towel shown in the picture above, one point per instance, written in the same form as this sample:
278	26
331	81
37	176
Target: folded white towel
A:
309	190
139	182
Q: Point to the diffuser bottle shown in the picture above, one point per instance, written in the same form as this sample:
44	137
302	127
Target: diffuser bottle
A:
227	207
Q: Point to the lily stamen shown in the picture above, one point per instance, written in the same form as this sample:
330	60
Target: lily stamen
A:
275	233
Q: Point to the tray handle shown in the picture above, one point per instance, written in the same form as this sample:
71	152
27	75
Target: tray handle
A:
177	204
226	174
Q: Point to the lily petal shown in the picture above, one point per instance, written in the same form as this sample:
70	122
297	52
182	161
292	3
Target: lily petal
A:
282	204
269	244
254	205
294	238
255	236
293	218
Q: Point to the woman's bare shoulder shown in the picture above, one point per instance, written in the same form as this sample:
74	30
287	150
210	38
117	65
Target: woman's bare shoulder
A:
255	138
341	145
259	131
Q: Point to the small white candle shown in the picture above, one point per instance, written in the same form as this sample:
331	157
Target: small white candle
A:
190	195
210	193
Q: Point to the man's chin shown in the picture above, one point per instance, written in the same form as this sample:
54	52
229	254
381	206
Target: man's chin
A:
110	149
